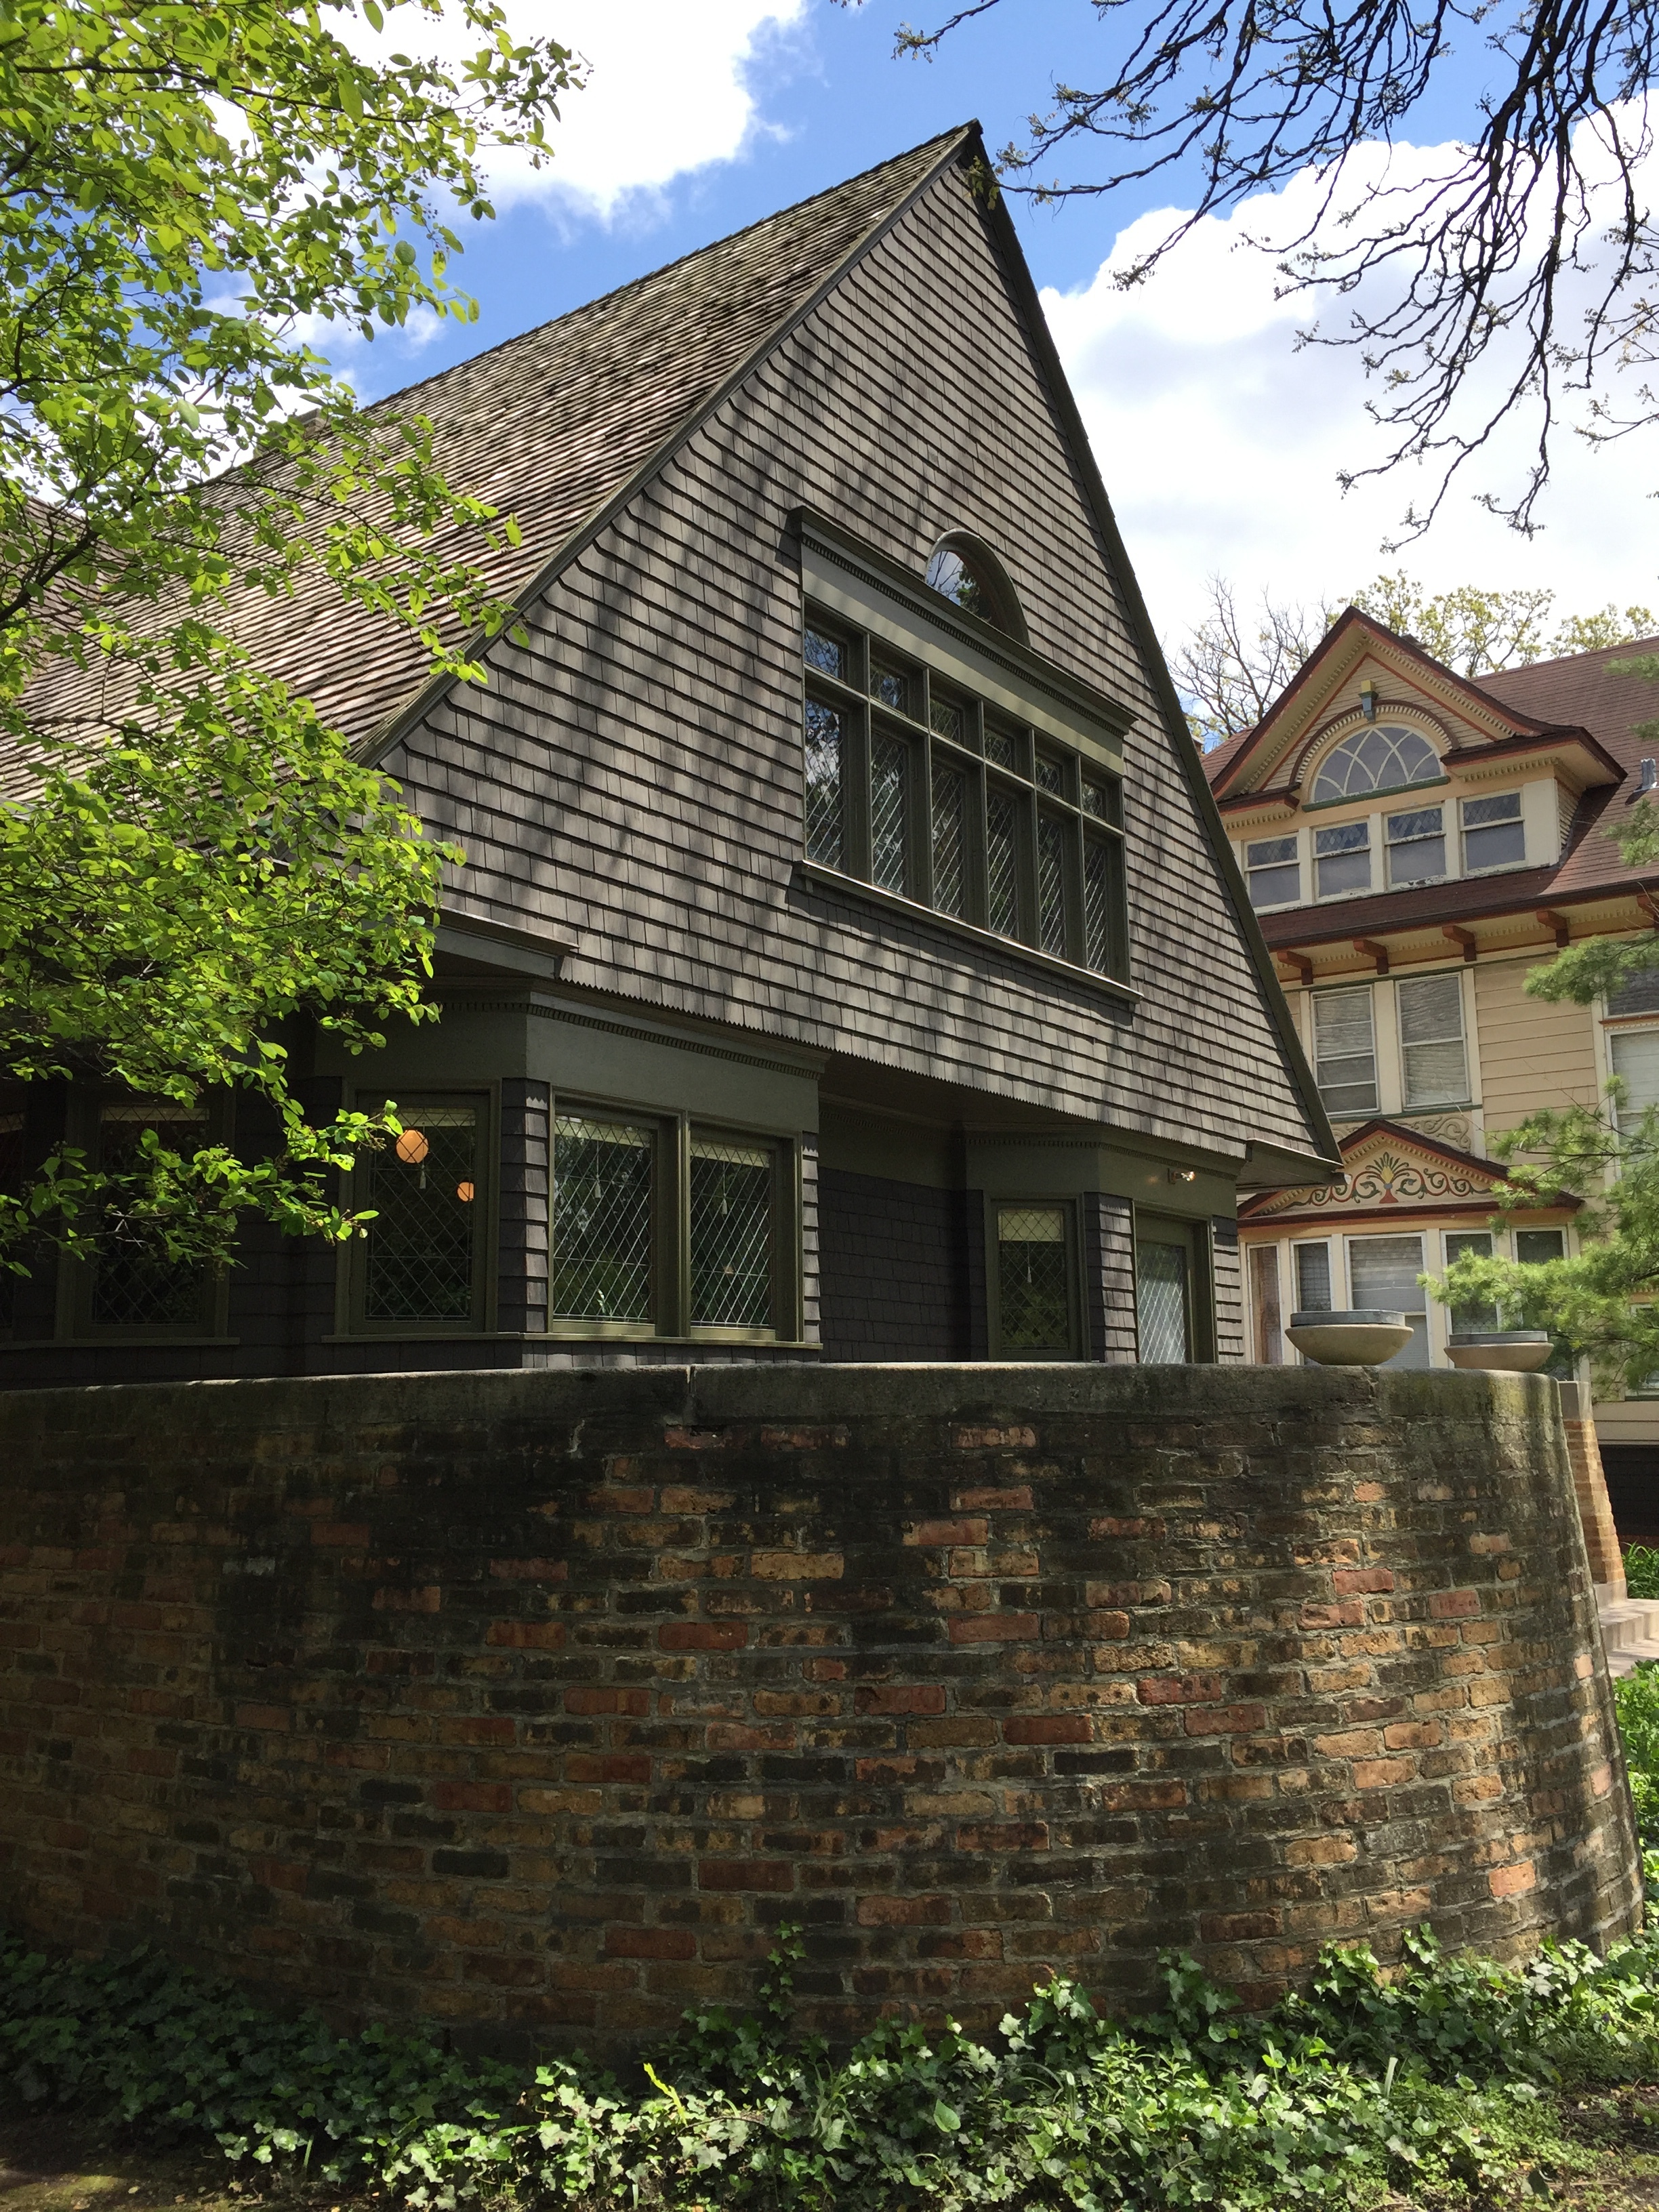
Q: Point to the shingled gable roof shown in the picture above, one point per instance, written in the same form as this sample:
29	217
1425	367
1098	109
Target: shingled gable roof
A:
559	425
1226	764
1583	695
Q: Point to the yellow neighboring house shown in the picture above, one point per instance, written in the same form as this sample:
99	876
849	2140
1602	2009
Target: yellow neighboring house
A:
1414	842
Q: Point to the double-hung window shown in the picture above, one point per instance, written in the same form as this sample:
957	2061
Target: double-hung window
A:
1494	836
1417	846
1345	1050
959	775
1635	1056
1433	1059
1274	871
663	1227
1342	859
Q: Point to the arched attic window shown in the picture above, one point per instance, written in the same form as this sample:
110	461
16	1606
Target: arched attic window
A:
969	575
1387	758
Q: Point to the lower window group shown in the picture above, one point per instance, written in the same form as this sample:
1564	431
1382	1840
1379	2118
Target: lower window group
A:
657	1226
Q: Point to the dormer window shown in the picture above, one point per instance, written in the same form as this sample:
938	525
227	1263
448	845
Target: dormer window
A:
1342	859
1417	846
1387	758
1494	836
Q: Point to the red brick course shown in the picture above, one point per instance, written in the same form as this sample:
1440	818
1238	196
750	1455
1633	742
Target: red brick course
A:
458	1697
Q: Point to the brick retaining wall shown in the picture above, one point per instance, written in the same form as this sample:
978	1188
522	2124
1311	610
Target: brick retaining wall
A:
536	1701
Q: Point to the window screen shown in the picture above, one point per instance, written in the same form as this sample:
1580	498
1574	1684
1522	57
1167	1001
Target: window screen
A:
423	1189
731	1233
1479	1242
602	1220
1636	1063
1264	1306
1434	1065
1345	1050
1033	1280
1313	1278
1342	859
1494	836
1275	876
1417	846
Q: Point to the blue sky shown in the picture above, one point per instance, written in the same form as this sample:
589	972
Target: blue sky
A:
1219	441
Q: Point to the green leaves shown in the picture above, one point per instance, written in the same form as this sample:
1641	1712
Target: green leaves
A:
1438	2079
201	863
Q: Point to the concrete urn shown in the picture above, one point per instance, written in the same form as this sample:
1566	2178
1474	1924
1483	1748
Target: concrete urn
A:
1509	1351
1365	1336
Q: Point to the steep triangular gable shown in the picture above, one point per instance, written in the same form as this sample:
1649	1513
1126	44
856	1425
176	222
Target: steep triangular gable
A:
1390	1170
1270	758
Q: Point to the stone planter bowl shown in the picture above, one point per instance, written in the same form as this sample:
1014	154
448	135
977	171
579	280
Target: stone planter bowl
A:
1363	1337
1510	1351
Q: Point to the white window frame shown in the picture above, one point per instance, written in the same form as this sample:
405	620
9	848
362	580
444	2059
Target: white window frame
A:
1346	1113
1498	867
1407	1104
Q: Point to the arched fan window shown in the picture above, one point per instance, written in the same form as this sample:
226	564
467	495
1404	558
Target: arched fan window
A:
971	577
1383	759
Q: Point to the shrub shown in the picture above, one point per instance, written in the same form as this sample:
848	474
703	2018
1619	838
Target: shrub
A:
1642	1570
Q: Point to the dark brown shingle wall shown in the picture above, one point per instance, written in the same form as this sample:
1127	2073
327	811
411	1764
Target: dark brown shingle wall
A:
633	776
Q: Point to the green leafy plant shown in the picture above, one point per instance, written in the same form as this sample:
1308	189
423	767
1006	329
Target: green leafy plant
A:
1642	1570
1449	2075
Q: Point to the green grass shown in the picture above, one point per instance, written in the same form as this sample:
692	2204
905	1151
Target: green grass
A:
1642	1570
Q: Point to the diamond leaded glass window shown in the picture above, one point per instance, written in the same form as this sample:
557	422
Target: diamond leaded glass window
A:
916	787
1033	1279
731	1224
134	1284
422	1245
602	1177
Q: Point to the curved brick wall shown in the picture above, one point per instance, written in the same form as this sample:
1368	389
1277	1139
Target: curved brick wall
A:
535	1701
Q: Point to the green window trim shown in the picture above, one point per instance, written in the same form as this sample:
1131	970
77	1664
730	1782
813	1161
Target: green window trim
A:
917	787
694	1226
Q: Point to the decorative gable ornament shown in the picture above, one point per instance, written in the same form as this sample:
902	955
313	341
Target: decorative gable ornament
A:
1390	1168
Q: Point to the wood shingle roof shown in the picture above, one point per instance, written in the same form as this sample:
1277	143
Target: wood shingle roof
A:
551	428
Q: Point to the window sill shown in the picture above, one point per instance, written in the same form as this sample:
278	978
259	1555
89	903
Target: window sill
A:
833	878
1361	797
121	1340
565	1336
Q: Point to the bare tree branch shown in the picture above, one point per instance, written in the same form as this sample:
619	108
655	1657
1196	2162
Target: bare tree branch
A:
1524	257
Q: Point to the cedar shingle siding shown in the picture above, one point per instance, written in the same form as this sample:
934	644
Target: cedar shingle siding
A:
629	783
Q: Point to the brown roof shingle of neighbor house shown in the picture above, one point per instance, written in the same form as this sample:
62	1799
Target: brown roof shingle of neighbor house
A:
551	428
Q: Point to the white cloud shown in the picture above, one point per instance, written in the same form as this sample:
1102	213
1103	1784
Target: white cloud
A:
667	90
1220	443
